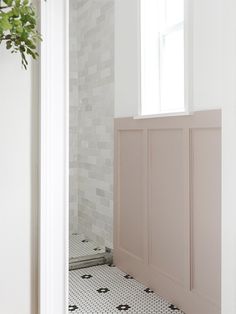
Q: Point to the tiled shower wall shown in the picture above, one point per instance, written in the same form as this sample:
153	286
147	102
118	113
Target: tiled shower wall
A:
91	118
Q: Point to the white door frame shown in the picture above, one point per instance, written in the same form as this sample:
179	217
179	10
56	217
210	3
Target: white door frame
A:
54	158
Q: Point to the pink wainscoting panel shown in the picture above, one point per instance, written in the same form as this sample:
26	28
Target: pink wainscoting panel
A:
131	165
206	212
167	212
168	206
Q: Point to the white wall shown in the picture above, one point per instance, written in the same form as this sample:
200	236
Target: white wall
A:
17	183
126	58
228	35
206	56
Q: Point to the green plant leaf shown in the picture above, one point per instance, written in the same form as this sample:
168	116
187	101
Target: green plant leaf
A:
8	2
18	28
5	24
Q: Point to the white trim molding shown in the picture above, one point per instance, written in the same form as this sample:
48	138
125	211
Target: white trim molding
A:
54	158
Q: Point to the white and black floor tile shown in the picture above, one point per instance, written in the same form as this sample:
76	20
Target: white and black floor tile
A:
104	289
80	246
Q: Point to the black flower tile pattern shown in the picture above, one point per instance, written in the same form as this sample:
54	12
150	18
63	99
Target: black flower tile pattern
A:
103	290
173	307
73	308
148	290
86	276
84	241
97	249
80	246
122	307
107	292
128	277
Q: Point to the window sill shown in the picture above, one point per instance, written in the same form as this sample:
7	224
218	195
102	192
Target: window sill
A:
162	115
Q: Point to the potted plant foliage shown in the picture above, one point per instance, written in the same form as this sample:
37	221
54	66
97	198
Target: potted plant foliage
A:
18	28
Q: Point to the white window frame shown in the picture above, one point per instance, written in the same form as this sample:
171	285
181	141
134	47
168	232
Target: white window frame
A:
188	65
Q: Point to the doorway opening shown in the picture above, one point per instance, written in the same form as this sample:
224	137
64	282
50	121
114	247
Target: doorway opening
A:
91	52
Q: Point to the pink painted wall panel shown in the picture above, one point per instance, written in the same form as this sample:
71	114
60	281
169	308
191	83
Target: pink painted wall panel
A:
131	165
167	212
168	206
206	212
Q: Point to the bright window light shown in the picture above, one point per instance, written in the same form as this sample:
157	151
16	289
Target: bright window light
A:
162	57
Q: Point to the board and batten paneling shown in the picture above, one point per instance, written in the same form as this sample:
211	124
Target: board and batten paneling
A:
166	173
131	217
168	206
205	212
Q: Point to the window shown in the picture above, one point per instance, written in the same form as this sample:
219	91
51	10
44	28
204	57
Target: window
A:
162	57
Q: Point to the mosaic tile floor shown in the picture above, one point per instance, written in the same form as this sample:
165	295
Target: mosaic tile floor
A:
104	289
80	246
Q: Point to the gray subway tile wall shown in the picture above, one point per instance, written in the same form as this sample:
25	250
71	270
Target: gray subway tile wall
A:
91	119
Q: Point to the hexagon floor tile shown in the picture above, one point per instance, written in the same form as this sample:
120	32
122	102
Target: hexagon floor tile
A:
80	246
104	289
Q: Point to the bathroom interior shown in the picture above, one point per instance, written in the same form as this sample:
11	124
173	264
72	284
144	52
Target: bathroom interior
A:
145	158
